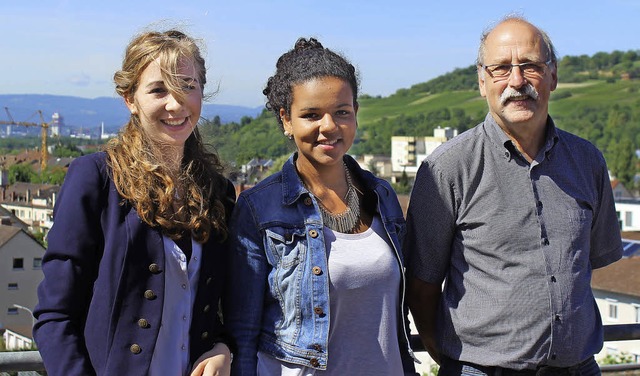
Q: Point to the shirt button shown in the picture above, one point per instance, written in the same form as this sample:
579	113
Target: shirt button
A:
553	278
539	204
204	335
143	323
308	201
316	270
558	318
183	347
545	241
317	347
209	280
135	348
313	233
206	309
314	362
184	286
553	356
184	318
154	268
318	311
149	295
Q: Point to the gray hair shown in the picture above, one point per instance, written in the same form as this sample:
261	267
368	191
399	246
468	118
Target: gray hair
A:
551	50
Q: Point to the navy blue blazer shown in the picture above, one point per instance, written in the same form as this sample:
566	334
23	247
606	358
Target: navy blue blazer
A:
101	299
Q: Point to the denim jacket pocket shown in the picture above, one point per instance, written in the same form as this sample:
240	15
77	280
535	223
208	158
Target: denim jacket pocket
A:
286	249
285	246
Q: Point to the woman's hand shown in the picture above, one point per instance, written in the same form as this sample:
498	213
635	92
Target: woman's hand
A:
215	362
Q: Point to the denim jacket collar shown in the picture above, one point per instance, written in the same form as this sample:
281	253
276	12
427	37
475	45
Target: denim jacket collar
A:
292	187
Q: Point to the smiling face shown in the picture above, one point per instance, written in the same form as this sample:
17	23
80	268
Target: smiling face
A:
322	121
517	99
166	117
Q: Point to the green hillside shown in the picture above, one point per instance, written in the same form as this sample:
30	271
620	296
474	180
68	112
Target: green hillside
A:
598	98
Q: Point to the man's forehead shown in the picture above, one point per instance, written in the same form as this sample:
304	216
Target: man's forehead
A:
519	39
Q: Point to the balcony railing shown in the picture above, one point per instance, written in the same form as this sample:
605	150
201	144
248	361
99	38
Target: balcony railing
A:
31	360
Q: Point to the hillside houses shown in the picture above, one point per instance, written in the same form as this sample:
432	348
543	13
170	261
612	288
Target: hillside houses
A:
617	291
31	203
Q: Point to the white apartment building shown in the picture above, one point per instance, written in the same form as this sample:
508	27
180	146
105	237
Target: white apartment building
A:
378	165
407	152
617	291
628	214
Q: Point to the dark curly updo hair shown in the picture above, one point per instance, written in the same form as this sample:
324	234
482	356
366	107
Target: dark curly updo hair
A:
306	61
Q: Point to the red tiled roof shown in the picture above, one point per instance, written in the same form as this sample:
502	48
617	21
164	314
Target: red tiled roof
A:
631	235
623	277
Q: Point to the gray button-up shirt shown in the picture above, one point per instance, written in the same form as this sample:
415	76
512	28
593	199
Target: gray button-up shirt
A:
515	243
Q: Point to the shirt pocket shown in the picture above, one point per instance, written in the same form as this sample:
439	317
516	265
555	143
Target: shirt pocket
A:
285	246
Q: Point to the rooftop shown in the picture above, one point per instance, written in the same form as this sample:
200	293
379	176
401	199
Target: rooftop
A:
620	277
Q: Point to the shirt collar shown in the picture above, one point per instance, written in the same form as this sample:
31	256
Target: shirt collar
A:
499	137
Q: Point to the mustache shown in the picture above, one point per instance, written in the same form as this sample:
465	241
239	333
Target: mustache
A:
510	93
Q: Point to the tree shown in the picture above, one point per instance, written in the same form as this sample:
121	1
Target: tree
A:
22	172
623	164
67	150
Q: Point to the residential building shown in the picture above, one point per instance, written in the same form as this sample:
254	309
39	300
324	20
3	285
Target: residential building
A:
407	152
617	291
620	192
628	214
14	341
31	203
379	165
20	273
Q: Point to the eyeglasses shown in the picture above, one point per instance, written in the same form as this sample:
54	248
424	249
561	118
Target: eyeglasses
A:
528	69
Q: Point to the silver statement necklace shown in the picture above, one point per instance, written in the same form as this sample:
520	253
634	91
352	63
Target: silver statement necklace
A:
346	221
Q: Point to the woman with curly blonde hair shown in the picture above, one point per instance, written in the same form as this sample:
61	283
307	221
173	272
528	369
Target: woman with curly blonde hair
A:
135	260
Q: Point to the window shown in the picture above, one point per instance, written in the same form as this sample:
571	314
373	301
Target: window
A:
637	308
37	263
613	309
18	263
628	218
12	311
13	286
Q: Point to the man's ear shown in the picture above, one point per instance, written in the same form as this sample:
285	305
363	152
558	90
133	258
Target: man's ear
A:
554	76
481	81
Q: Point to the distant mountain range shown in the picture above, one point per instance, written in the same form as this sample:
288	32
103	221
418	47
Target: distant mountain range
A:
90	113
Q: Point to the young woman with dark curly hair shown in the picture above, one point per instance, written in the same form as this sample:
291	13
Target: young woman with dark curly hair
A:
317	284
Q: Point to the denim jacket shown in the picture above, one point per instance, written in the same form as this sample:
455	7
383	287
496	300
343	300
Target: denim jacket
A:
278	271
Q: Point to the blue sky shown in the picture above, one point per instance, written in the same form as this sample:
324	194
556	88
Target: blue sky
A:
73	47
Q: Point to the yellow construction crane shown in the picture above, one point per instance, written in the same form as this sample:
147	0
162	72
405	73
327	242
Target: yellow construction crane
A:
44	156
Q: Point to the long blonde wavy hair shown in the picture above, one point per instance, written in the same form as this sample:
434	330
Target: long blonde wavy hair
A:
140	173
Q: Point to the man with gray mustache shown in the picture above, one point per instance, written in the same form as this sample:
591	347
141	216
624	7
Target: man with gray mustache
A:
512	216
